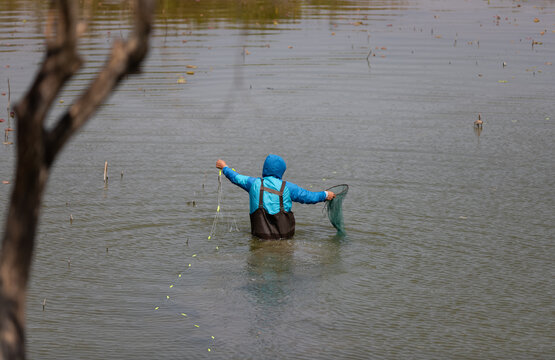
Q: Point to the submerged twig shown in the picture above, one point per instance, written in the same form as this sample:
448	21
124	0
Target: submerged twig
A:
6	137
9	106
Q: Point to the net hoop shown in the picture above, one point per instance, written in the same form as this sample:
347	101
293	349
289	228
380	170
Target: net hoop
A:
339	190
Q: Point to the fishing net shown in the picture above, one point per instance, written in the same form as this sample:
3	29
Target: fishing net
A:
334	207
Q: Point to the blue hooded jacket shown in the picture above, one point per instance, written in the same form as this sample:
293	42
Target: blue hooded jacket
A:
272	172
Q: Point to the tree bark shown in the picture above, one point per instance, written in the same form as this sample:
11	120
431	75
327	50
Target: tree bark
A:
38	147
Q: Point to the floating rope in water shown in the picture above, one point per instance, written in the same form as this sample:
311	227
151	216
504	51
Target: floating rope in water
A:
212	232
217	216
231	219
211	341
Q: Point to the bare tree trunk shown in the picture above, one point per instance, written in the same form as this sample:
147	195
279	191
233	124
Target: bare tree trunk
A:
38	147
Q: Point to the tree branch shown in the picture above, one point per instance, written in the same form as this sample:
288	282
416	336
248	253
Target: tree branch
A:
37	149
60	63
125	58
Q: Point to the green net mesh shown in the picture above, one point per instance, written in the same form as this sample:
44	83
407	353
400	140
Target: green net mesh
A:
334	208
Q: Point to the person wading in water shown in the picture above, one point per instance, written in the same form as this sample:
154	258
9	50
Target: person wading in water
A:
271	198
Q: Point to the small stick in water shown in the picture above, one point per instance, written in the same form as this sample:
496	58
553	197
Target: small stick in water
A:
478	123
105	172
9	104
43	304
6	136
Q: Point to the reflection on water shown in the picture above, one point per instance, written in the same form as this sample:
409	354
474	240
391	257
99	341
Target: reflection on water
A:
478	131
270	268
271	280
449	249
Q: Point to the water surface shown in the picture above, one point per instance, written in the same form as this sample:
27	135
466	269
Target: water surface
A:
449	252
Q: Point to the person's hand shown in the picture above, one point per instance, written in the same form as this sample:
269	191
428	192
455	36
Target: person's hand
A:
220	164
330	195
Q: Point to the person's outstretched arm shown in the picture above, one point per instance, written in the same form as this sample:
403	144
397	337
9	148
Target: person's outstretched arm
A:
303	196
243	181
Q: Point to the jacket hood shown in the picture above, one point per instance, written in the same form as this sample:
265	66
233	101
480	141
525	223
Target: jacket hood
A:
274	165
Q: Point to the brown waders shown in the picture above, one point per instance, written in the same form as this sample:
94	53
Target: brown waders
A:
272	227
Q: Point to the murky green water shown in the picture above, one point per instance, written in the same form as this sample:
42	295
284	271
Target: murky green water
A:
449	252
